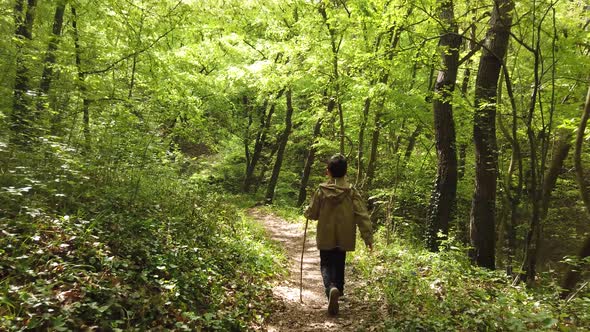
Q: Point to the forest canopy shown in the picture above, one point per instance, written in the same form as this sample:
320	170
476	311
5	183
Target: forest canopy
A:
133	134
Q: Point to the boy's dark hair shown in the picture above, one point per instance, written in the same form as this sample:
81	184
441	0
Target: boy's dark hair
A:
337	166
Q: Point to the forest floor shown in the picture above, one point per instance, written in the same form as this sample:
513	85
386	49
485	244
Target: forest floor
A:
357	312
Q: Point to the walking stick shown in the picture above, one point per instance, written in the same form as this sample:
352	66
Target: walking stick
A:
301	270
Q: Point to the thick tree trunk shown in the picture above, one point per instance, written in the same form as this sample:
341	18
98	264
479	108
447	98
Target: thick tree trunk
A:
442	201
483	209
573	276
50	58
22	117
270	192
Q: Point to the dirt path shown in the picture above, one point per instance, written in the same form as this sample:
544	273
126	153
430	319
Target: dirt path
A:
311	315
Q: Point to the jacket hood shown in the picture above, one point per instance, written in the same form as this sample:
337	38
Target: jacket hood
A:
336	189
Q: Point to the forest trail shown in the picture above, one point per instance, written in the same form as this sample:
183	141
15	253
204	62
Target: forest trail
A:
290	315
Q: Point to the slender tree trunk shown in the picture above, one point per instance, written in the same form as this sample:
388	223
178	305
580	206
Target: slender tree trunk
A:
81	81
247	114
372	165
312	151
412	142
50	58
22	117
483	209
533	238
258	146
471	46
265	167
561	150
132	81
281	150
361	140
395	35
342	133
443	198
462	161
582	183
258	143
134	59
335	80
309	163
512	194
265	122
573	276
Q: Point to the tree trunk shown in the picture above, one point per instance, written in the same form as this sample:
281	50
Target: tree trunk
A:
134	59
560	153
512	193
50	59
471	46
412	142
81	81
270	192
265	121
335	79
483	209
260	136
309	163
361	141
462	160
374	149
311	155
21	117
342	131
442	201
573	276
247	114
533	238
265	167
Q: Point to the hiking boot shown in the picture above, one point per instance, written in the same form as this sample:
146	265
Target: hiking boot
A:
333	301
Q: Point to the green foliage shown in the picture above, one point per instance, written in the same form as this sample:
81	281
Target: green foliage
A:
129	250
427	291
122	215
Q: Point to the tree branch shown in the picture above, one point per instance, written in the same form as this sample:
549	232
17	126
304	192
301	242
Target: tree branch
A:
128	56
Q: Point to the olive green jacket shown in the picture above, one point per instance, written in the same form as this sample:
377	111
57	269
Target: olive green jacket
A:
339	209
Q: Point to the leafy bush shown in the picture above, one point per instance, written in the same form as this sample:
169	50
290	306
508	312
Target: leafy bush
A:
124	247
441	292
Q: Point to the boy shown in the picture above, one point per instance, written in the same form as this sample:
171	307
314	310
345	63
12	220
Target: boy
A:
338	209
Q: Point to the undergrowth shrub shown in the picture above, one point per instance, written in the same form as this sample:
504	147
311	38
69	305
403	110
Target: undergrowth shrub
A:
443	291
124	246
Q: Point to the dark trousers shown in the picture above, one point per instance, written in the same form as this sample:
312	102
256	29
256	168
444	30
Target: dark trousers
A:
332	266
